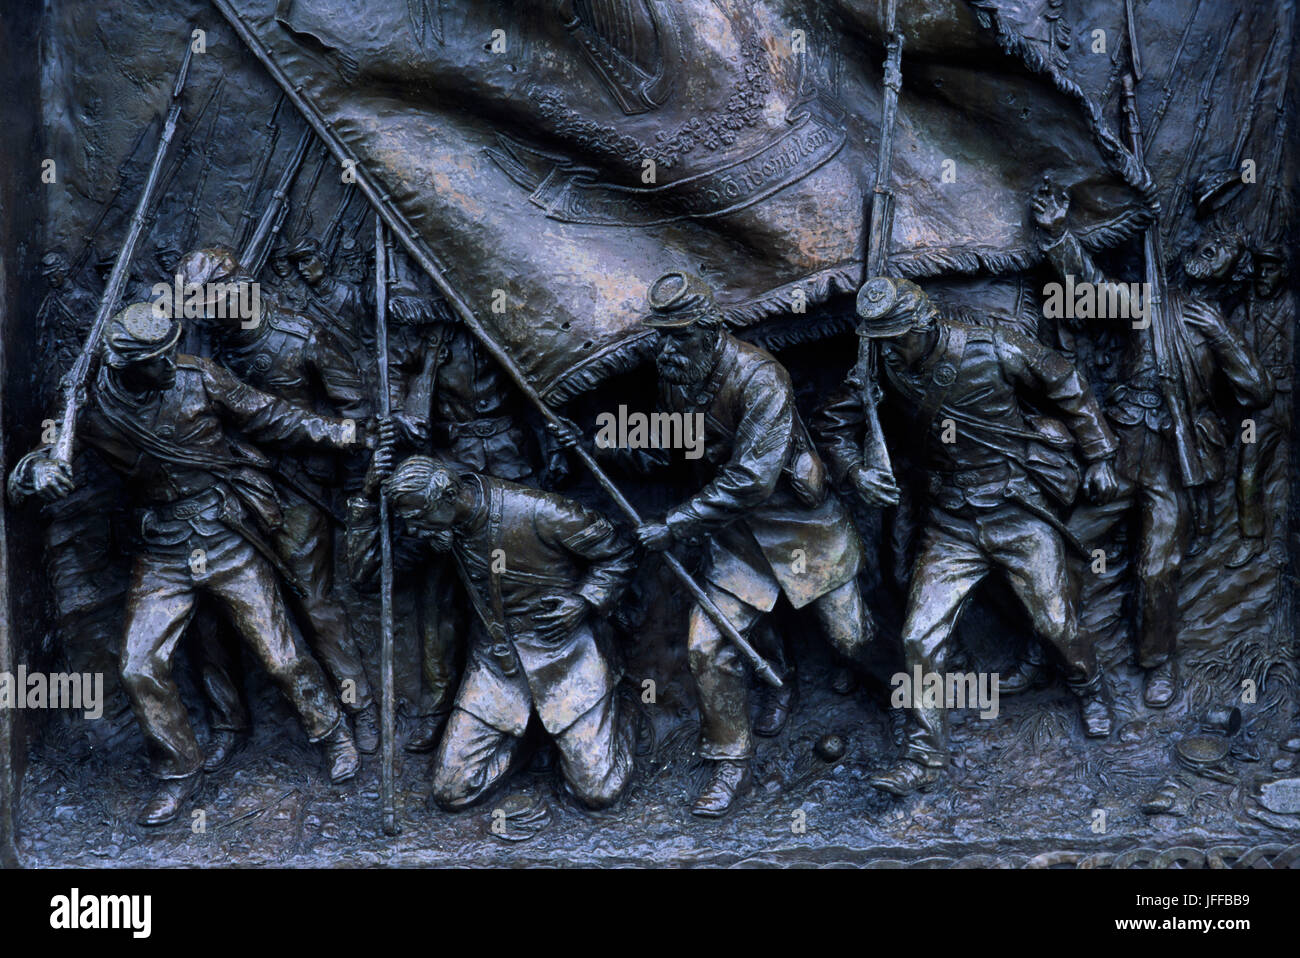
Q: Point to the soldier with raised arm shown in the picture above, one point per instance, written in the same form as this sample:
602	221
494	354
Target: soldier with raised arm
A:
288	355
203	502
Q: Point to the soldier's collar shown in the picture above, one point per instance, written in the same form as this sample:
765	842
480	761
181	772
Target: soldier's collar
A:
478	516
938	349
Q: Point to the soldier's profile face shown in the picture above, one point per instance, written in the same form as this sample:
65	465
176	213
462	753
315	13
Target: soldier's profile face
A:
424	518
312	270
156	373
1268	278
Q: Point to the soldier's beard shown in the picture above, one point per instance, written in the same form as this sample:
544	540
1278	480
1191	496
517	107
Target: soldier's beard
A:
682	367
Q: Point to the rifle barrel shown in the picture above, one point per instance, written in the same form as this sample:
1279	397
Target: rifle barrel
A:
81	370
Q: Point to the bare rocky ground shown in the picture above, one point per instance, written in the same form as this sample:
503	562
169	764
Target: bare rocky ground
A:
1025	785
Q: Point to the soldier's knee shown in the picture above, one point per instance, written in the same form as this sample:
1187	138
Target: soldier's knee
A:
704	643
452	792
142	668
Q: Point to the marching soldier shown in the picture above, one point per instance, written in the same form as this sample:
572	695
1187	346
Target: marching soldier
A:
1149	454
959	388
559	564
287	355
772	524
340	303
160	420
82	556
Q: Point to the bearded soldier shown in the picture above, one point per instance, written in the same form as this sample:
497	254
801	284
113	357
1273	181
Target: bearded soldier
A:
1162	475
160	420
537	567
284	353
772	525
959	388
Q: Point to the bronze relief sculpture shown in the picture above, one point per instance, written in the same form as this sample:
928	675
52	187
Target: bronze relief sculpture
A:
590	420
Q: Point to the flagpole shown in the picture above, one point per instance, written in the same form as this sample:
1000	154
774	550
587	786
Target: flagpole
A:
384	210
387	730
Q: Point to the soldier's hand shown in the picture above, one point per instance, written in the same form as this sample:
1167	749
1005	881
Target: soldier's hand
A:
561	616
566	433
52	479
1101	483
876	486
413	429
654	536
1050	208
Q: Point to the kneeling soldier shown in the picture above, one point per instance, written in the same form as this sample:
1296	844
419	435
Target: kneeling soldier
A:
535	566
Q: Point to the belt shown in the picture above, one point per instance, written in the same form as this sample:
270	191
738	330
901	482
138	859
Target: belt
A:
188	507
968	478
1146	398
477	428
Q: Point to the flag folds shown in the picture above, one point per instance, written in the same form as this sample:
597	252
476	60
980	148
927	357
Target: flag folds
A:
557	156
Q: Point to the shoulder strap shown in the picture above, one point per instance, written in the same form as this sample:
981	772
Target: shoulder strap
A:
942	377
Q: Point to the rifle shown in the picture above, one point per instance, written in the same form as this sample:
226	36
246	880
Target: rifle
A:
76	389
1249	118
89	238
1168	90
1193	147
334	231
192	210
1166	329
253	256
875	455
303	223
185	152
259	174
387	730
380	202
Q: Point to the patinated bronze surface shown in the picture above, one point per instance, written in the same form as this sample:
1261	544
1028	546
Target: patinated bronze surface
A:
634	431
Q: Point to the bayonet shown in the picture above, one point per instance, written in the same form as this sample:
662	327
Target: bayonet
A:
246	216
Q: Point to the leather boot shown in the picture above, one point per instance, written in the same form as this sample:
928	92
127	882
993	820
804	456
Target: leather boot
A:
729	780
424	737
341	754
1095	713
1025	676
365	729
225	743
906	777
168	801
1160	686
777	704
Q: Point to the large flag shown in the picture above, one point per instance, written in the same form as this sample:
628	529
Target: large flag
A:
558	156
